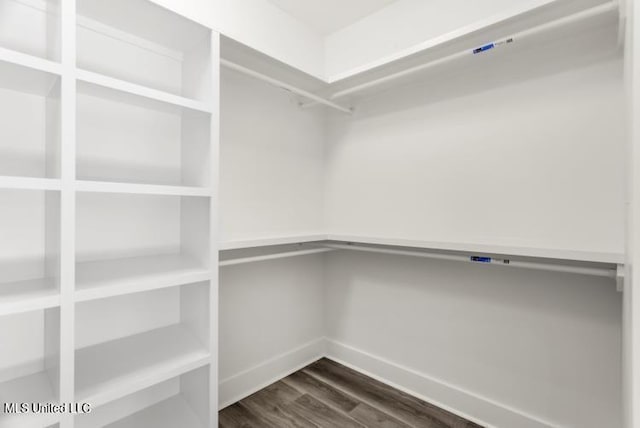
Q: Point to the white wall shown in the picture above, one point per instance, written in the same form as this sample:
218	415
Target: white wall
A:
475	158
544	344
271	181
271	322
272	157
520	150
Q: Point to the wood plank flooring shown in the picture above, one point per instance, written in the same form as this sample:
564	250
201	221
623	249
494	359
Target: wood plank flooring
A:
326	394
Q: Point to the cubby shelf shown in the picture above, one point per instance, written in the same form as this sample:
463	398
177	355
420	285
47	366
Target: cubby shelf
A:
33	388
142	91
170	413
110	370
510	250
29	183
141	189
107	278
29	61
24	296
273	240
546	253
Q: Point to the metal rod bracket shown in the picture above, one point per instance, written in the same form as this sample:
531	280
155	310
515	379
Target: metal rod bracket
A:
620	278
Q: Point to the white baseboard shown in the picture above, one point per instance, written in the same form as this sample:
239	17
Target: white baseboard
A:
481	410
477	408
245	383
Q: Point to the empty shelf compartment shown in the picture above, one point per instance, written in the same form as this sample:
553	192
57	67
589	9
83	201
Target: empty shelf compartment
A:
182	401
128	243
140	42
31	27
29	250
30	124
29	364
128	343
125	138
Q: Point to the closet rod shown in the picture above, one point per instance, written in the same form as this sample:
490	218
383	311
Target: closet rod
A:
243	260
571	19
283	85
582	270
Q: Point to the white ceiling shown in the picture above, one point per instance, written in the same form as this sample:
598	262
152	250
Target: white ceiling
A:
327	16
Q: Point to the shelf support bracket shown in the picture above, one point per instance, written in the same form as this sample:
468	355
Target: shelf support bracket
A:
620	278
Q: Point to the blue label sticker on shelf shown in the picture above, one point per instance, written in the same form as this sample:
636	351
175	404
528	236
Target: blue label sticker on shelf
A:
480	259
483	48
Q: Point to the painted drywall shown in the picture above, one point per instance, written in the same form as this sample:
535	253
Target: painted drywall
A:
545	344
473	157
271	181
271	322
328	16
272	158
501	152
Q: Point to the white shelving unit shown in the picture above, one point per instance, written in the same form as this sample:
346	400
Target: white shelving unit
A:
111	142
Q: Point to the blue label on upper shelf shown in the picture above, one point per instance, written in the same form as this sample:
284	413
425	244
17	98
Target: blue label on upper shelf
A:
480	259
483	48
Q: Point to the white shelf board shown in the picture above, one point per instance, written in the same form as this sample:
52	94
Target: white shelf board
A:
30	183
534	252
113	369
273	240
105	278
481	31
19	78
28	389
142	91
546	253
141	189
170	413
25	296
29	61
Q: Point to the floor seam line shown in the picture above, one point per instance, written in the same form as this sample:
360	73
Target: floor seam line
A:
368	403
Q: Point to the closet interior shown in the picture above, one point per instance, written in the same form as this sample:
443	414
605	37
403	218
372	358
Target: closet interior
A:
460	234
186	218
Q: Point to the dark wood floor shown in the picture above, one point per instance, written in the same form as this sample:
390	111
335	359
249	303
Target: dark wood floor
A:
327	394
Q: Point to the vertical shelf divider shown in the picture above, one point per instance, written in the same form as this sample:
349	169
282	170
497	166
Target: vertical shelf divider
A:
67	207
213	225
